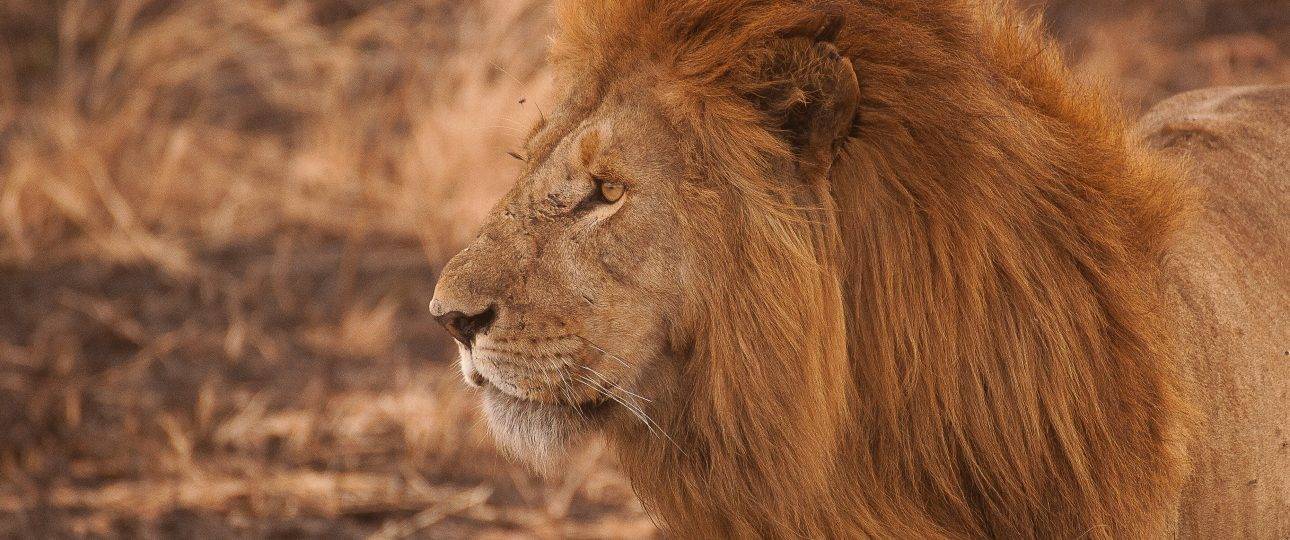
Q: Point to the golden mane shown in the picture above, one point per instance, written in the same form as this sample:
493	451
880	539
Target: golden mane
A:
957	332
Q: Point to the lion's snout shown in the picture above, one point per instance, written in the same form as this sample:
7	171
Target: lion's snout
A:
466	298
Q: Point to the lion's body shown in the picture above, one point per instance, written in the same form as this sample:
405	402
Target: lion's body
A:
883	269
1231	294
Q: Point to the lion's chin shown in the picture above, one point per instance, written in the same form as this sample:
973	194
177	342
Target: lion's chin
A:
540	434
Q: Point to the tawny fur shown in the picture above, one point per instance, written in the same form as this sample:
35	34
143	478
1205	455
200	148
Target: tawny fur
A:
1230	295
956	322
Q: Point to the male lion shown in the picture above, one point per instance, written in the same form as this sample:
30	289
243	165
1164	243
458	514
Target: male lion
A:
879	268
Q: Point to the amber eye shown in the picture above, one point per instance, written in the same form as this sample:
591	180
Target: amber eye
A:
612	191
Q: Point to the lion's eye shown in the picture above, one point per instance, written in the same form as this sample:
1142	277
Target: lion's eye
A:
611	192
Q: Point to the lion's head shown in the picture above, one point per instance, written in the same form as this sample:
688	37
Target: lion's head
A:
629	235
824	268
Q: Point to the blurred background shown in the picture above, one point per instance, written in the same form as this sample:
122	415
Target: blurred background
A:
221	221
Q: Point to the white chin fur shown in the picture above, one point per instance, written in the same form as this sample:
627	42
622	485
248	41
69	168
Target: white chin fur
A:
542	440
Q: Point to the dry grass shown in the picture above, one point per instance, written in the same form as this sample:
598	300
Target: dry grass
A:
220	222
1151	49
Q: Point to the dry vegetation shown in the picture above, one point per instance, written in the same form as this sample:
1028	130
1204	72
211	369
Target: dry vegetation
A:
220	222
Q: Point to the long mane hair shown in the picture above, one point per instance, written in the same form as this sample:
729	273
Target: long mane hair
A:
955	330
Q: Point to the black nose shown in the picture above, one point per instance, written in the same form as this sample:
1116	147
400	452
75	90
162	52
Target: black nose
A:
463	327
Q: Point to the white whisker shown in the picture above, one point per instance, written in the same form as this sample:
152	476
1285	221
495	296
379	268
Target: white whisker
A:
625	363
615	385
639	414
566	389
636	409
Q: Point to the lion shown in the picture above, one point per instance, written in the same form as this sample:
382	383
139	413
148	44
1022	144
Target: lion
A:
883	268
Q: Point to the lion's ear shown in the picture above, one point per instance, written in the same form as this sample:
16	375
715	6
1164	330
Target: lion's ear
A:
808	89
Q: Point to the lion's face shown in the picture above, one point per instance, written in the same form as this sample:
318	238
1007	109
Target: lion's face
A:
565	305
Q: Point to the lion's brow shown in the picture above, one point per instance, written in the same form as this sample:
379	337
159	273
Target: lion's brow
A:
588	147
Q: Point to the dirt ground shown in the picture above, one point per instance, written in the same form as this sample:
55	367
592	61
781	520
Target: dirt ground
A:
221	221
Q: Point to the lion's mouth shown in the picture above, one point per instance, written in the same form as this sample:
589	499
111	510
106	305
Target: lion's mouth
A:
499	397
534	404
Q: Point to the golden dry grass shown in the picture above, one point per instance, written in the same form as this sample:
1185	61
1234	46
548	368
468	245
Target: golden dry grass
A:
220	222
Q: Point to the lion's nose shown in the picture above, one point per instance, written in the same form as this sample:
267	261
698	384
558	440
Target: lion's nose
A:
464	326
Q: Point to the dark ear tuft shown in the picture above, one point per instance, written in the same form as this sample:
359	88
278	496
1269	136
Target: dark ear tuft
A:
808	90
832	27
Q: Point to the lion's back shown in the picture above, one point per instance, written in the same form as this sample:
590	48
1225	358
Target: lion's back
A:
1232	293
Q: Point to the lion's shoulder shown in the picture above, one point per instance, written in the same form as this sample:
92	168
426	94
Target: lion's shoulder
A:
1251	122
1234	144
